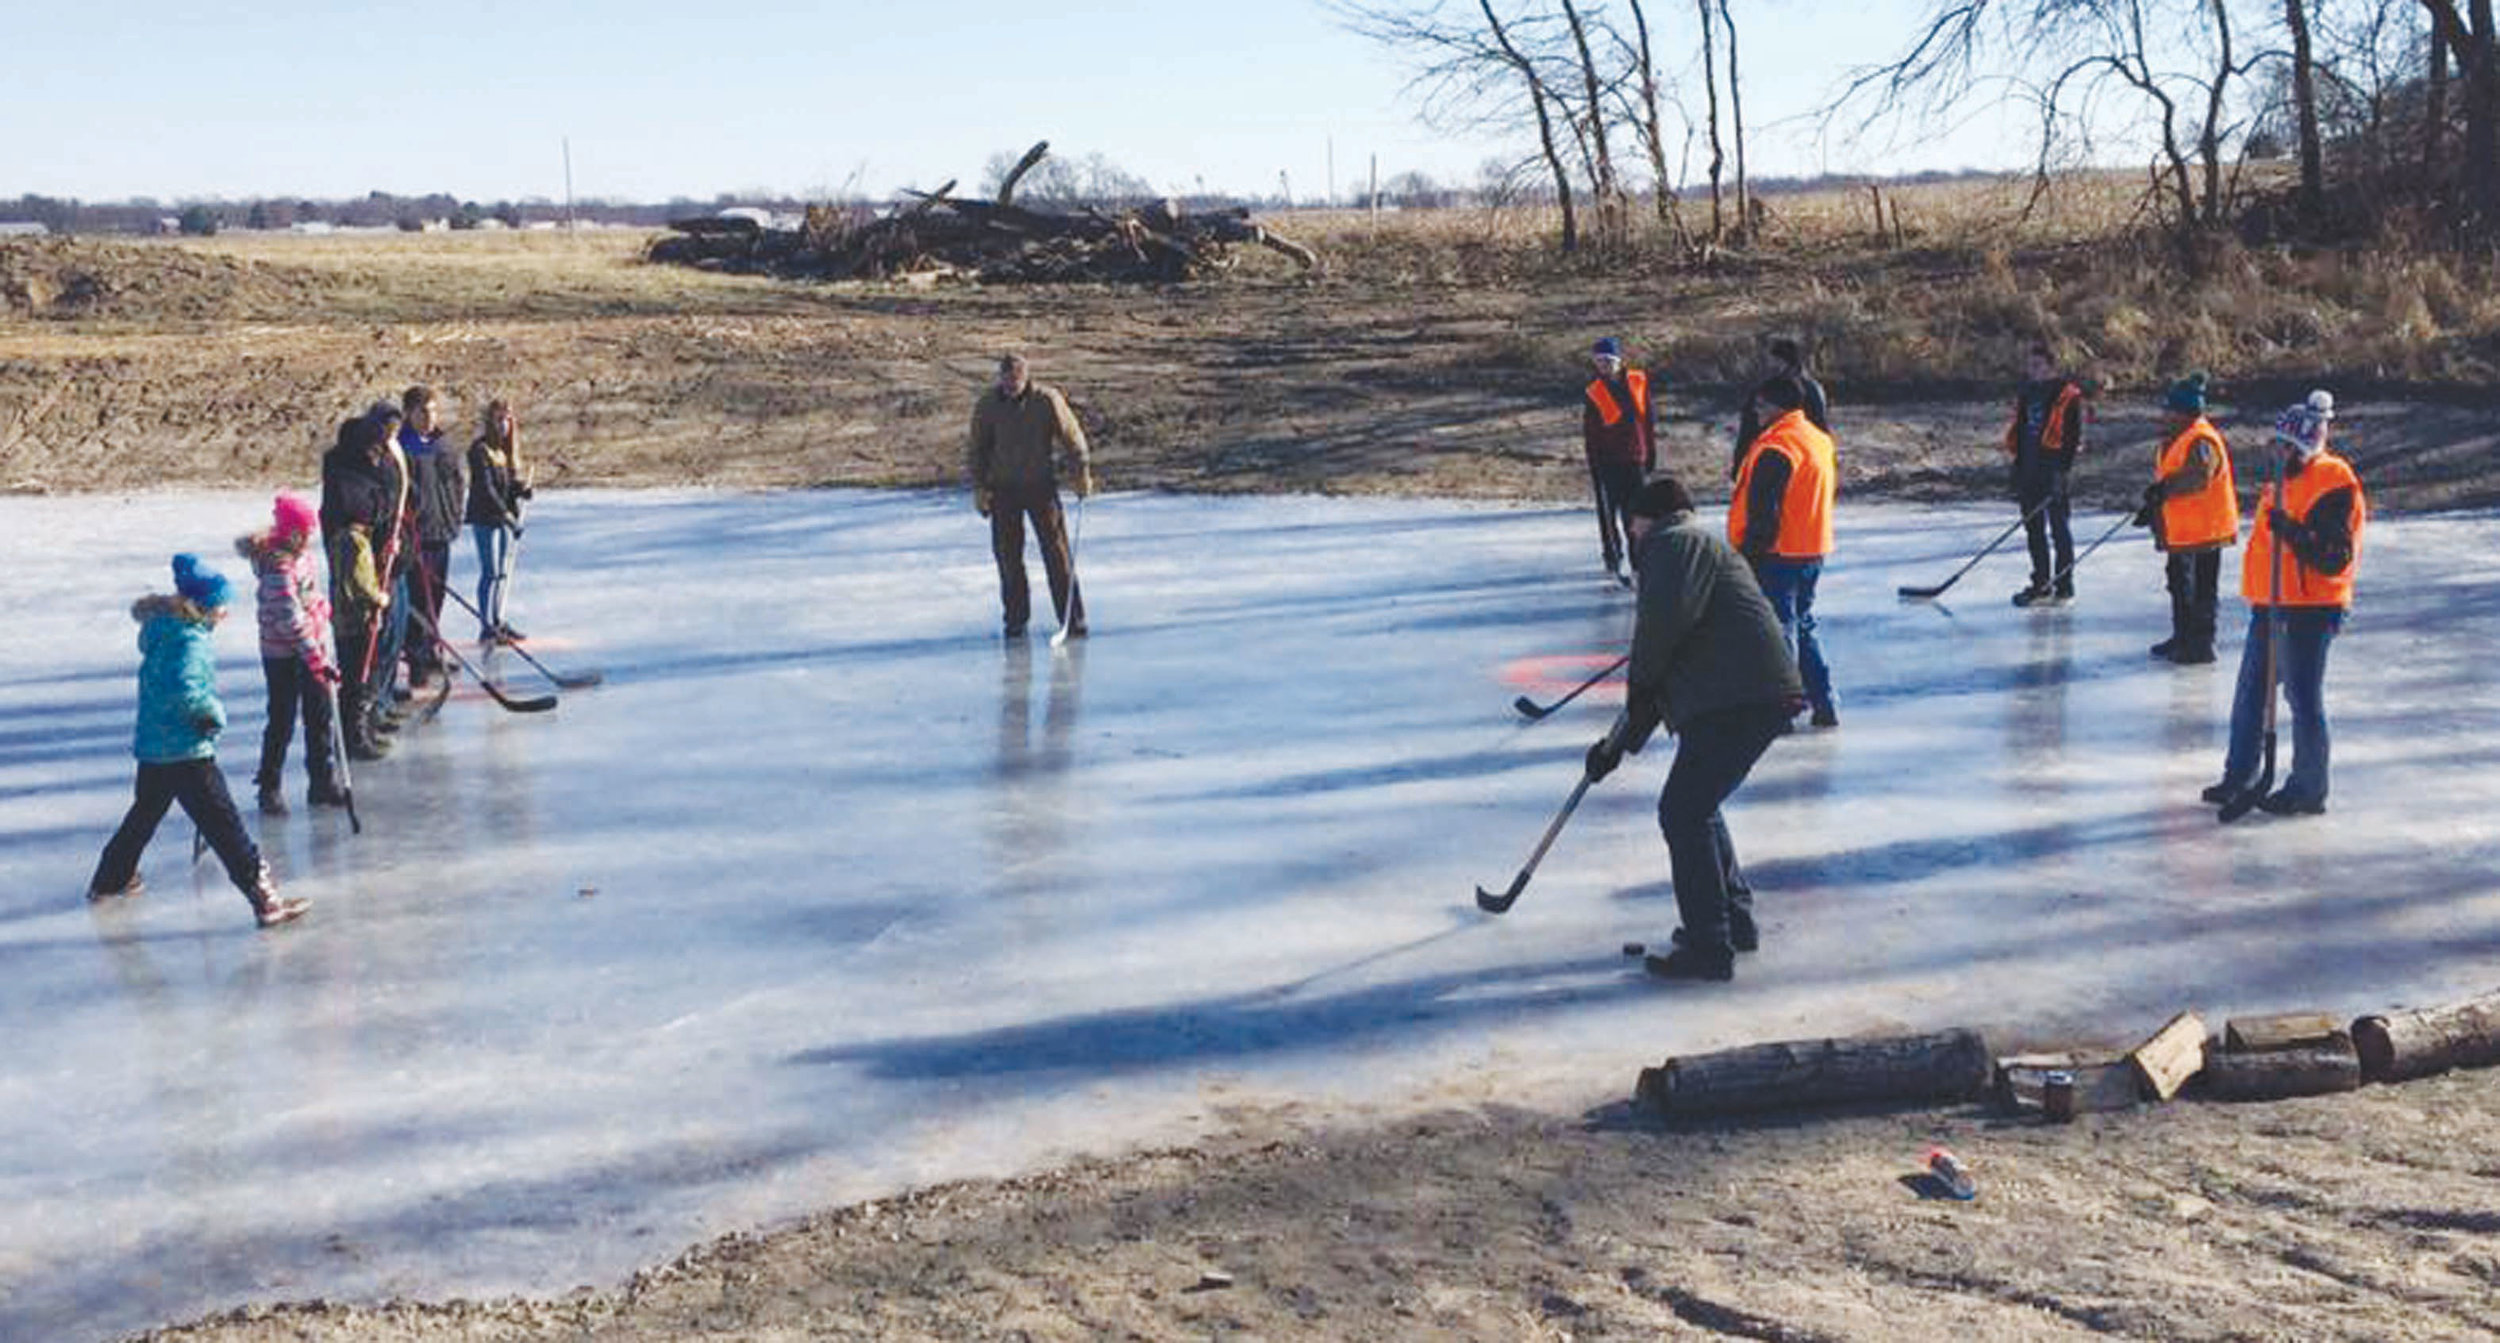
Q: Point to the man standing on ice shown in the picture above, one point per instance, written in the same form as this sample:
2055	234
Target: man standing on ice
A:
1019	428
1710	663
2042	440
1619	435
2297	575
2194	511
1781	518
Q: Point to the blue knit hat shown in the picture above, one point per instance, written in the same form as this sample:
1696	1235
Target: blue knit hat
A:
2187	395
204	588
1607	347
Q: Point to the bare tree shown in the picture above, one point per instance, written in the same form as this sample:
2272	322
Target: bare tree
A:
1603	187
1710	93
1653	139
2469	38
1736	115
2305	107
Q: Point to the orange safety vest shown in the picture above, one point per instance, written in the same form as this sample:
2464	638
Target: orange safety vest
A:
2052	429
1609	413
2302	585
1813	480
2209	517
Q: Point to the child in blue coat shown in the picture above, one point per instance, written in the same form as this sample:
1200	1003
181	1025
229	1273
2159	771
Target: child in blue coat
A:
176	743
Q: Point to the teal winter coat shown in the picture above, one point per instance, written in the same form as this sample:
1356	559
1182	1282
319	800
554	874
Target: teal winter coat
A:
179	716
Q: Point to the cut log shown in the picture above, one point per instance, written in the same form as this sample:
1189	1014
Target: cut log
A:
2273	1074
2283	1030
2399	1045
1919	1069
2103	1082
2174	1054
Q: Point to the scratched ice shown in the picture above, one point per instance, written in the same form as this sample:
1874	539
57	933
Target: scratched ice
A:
827	893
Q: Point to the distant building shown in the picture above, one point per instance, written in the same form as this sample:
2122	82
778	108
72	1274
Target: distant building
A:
28	229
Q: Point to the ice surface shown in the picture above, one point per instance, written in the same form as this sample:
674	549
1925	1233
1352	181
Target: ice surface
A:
826	892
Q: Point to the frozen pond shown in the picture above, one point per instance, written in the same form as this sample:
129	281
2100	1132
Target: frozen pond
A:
826	892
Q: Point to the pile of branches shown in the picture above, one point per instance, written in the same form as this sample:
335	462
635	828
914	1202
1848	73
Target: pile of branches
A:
937	236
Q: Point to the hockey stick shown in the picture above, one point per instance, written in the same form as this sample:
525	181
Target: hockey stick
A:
1497	904
338	754
1059	639
1915	593
537	704
2246	799
575	681
2067	574
1535	711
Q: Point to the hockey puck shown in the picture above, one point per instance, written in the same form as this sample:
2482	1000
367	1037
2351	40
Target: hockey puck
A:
1634	949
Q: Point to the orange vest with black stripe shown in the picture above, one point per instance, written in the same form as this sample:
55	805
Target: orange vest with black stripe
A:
2302	585
2211	516
1610	411
1813	480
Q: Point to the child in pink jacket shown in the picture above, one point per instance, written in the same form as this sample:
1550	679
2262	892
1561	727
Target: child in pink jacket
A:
294	654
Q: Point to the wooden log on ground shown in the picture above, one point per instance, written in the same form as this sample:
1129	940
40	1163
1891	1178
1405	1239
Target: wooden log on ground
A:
1007	184
1914	1069
2283	1030
2310	1070
2102	1082
2174	1054
2399	1045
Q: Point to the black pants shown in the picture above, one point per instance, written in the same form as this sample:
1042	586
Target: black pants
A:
2195	579
1713	754
1008	511
201	789
1615	483
2043	526
356	633
425	588
292	686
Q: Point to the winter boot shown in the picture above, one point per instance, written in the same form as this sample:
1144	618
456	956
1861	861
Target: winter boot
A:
2192	655
2166	647
326	792
1741	934
135	886
269	909
2282	803
2038	593
272	799
2220	793
1688	963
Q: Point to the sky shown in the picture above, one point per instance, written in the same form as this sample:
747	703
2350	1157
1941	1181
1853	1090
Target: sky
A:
194	100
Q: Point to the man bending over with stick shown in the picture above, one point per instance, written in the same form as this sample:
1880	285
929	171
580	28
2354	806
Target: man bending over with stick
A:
1709	662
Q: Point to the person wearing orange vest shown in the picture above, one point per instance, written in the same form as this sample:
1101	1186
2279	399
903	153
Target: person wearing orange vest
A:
1619	432
2298	571
2042	442
1780	518
2193	508
1788	360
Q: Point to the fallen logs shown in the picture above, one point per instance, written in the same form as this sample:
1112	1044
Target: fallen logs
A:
1916	1069
989	240
2396	1046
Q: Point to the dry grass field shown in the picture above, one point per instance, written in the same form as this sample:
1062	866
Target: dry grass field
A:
1436	352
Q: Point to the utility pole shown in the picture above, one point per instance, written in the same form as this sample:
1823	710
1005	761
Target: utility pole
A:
1375	191
568	184
1332	172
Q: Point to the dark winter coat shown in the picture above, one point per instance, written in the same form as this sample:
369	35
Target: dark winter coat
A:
436	489
1015	440
1706	639
358	496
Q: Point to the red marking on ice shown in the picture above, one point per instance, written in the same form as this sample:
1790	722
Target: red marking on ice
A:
1560	673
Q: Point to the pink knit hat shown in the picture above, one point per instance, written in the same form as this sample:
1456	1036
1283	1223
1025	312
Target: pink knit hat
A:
292	517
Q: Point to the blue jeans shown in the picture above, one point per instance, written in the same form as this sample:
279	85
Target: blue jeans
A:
1790	586
394	638
2307	632
494	545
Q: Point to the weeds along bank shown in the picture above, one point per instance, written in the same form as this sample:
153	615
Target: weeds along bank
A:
1438	353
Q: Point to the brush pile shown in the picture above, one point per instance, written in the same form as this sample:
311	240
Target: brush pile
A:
937	236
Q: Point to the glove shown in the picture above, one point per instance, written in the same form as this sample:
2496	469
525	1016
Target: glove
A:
1604	755
207	724
2144	516
327	675
2282	522
980	501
